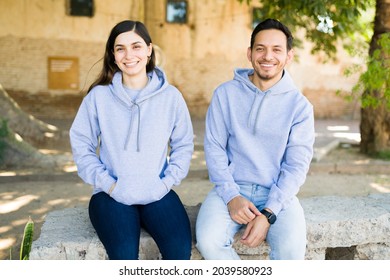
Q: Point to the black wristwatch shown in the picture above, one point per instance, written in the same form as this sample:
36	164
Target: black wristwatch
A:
271	217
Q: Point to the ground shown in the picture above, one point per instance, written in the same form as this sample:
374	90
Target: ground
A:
35	192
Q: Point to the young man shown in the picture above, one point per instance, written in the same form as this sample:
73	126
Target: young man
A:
258	146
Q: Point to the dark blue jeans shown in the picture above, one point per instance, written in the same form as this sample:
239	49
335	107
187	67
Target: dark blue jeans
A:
118	226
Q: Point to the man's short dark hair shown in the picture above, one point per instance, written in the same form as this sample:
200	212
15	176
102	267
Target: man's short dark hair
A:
273	24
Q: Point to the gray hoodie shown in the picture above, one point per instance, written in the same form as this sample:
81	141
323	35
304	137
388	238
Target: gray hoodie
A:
255	137
145	145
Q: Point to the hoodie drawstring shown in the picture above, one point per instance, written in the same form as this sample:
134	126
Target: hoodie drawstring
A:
251	113
139	124
256	115
131	126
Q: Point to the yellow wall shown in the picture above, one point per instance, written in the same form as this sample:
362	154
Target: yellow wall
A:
197	56
49	19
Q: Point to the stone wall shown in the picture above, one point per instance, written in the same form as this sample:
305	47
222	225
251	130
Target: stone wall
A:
197	56
24	63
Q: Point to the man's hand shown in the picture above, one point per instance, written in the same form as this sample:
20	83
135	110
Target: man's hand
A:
255	232
242	210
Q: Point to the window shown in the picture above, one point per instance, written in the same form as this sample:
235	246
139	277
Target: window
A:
176	11
81	8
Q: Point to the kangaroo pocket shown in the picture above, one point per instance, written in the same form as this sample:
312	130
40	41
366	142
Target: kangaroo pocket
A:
139	190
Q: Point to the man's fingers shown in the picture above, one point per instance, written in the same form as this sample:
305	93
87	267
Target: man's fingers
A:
254	209
246	232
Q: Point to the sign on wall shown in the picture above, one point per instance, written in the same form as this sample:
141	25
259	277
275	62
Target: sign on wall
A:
63	72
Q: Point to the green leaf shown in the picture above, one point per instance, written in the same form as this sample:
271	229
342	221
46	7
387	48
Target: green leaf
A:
27	240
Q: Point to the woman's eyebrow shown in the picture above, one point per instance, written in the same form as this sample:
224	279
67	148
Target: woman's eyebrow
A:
134	43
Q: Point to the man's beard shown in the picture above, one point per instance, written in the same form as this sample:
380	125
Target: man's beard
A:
265	77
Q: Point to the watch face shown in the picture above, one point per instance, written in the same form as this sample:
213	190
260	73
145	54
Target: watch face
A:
270	216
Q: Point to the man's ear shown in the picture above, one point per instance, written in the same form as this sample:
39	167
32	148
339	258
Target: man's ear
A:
249	54
290	56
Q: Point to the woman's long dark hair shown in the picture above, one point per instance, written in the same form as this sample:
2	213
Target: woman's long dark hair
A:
109	66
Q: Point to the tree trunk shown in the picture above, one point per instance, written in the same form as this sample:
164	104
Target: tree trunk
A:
22	153
29	128
375	122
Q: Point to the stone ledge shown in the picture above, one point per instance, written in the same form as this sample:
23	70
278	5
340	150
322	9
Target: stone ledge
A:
337	228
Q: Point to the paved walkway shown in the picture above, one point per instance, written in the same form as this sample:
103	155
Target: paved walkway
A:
329	134
338	175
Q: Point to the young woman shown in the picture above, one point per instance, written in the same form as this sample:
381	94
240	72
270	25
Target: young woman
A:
132	139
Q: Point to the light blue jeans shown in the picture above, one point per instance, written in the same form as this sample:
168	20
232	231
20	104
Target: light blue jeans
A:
215	229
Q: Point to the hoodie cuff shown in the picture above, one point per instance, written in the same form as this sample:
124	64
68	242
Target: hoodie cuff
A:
275	200
168	181
274	206
227	191
108	184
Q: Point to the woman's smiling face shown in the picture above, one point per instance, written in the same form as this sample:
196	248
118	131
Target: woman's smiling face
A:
131	53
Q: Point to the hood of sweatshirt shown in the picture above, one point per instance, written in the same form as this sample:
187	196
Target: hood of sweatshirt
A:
283	86
157	83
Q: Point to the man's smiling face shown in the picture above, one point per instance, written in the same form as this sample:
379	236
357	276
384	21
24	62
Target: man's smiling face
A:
269	56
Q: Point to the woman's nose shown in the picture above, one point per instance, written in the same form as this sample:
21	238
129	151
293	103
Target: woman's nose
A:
128	52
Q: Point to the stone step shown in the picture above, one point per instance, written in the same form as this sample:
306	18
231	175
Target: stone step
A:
337	228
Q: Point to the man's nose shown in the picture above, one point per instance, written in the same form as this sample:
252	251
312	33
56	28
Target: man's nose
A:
267	55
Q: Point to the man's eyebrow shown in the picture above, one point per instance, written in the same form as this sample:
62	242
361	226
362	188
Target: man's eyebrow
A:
263	45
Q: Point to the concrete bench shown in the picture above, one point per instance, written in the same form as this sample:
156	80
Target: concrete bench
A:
337	228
